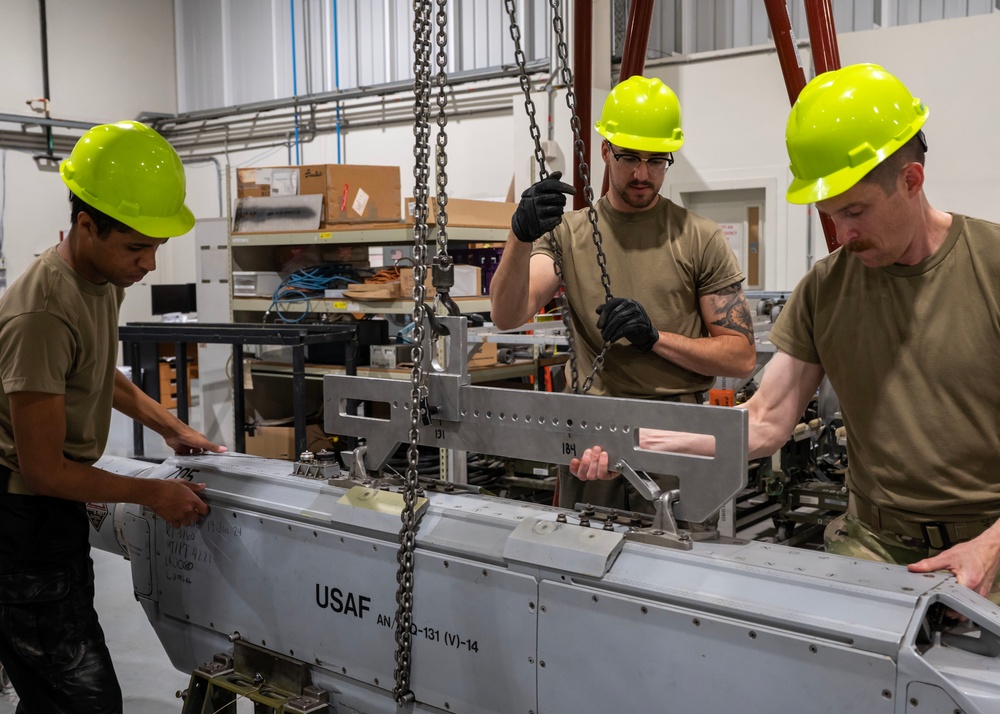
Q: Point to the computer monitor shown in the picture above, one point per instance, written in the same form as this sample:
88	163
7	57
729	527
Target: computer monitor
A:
173	298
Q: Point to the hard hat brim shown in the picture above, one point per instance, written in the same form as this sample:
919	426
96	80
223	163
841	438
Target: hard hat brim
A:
640	143
154	227
820	132
803	191
171	227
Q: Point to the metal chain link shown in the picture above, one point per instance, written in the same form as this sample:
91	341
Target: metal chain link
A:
402	691
442	260
529	107
529	104
578	143
588	192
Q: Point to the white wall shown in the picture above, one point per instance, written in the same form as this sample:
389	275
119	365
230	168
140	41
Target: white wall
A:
115	58
954	67
735	109
108	60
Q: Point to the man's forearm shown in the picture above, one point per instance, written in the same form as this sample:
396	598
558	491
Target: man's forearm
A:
510	287
78	482
724	355
677	442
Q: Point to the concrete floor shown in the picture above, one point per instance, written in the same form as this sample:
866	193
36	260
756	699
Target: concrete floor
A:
149	682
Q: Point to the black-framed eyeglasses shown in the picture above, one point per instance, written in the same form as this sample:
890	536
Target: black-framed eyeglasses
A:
654	164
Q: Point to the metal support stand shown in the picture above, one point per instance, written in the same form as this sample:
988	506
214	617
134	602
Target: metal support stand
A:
238	335
664	523
275	684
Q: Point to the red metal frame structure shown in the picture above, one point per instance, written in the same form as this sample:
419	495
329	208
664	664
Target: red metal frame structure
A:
826	57
822	37
640	19
583	28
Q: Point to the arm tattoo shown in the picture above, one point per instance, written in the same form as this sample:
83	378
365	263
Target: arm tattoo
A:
732	311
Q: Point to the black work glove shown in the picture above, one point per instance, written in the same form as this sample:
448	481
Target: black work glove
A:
624	317
541	208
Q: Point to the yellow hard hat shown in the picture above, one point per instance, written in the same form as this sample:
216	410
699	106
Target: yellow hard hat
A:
642	114
844	124
129	172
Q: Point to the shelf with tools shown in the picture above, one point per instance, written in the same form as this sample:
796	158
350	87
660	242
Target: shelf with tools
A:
365	233
350	307
304	235
299	258
259	263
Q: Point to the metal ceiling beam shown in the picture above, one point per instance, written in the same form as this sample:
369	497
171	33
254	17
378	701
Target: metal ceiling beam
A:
271	123
303	102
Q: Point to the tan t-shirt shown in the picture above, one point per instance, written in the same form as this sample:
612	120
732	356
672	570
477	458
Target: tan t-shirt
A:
59	335
665	258
910	351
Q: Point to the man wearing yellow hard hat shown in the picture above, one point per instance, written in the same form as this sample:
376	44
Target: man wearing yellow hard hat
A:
58	385
903	318
678	317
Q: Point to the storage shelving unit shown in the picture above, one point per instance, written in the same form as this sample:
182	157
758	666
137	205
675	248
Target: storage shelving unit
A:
255	251
266	251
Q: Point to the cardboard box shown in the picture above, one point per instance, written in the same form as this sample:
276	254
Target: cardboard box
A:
468	282
390	356
281	181
374	291
486	355
406	282
278	442
468	213
351	193
361	194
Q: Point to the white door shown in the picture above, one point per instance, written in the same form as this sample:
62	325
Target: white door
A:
740	215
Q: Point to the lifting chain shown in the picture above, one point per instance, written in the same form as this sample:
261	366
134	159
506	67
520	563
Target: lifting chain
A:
444	272
402	691
566	75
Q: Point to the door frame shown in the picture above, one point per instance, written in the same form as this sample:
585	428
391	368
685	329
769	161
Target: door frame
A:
774	260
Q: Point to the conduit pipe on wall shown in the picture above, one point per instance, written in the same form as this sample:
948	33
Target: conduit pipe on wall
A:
404	90
257	131
263	125
43	22
295	85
